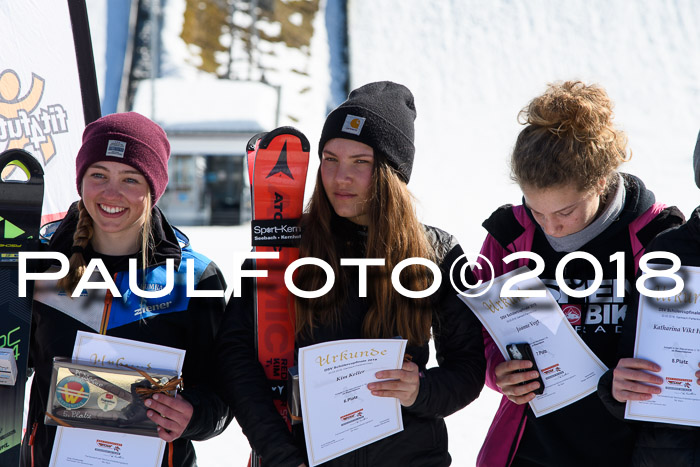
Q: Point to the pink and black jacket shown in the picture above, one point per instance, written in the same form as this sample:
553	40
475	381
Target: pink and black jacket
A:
583	433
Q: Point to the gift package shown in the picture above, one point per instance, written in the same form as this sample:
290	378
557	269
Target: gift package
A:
105	397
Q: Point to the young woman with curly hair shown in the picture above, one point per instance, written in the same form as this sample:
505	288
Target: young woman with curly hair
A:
565	161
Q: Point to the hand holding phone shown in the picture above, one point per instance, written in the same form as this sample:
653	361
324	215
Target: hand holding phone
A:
523	351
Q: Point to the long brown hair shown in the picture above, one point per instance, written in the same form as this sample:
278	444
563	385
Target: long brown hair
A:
570	138
394	234
83	233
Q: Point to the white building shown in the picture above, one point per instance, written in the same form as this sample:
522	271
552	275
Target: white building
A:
208	122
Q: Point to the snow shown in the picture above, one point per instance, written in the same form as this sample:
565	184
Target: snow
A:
472	65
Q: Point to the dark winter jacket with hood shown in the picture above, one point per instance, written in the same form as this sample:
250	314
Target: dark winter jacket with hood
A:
582	433
174	320
660	444
443	390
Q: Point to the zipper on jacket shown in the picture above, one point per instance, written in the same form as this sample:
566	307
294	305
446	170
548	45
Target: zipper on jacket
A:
170	454
105	312
31	442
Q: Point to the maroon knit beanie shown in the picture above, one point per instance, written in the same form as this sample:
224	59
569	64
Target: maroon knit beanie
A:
131	139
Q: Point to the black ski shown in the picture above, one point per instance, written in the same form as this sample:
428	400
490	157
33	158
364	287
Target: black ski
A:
20	218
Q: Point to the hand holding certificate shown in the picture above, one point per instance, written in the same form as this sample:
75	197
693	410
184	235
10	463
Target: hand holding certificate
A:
668	334
568	368
340	414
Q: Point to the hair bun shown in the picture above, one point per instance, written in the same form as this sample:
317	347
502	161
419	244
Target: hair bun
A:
569	138
575	110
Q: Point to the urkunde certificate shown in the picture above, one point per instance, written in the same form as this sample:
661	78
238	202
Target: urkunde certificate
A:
340	413
668	334
568	367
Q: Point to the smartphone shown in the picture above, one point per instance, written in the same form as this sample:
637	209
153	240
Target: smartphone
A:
523	351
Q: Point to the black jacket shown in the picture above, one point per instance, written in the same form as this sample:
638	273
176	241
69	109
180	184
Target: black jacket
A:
660	444
185	323
444	390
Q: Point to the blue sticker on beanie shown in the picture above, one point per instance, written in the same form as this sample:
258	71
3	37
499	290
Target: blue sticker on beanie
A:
353	124
116	148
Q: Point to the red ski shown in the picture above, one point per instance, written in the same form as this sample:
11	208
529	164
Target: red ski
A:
279	161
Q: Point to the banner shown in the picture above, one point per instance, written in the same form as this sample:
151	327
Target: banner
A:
48	90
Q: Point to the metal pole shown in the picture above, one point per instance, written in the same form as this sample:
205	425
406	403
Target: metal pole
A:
155	33
232	25
253	38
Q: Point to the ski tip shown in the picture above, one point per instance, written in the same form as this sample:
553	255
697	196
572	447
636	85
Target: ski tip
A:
251	142
285	130
23	160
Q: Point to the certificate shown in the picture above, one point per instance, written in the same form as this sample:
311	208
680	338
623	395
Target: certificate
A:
570	370
76	446
340	413
668	334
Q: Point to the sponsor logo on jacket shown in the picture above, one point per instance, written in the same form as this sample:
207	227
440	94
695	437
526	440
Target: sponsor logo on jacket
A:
153	308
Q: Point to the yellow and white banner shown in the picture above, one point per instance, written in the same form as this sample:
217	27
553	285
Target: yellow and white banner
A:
48	91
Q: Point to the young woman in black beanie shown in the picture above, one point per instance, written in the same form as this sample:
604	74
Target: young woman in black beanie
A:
121	171
361	207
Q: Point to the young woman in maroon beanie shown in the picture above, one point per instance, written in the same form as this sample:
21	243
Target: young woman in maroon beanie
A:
121	171
361	208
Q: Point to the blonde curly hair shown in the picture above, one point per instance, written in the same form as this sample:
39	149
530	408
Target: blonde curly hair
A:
569	138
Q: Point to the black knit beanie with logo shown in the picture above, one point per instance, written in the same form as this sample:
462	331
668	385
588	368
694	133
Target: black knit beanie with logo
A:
380	115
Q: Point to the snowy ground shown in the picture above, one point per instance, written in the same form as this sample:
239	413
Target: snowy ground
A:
472	65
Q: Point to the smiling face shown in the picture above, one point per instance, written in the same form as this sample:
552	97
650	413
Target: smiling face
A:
117	197
346	173
563	210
